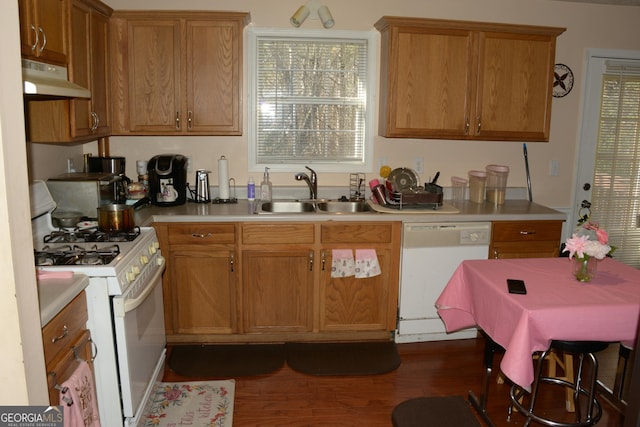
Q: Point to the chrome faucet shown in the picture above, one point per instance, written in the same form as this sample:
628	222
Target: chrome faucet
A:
311	182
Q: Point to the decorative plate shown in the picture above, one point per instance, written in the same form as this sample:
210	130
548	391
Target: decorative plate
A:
562	80
403	179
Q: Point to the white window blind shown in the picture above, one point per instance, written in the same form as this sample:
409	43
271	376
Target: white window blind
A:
310	101
616	190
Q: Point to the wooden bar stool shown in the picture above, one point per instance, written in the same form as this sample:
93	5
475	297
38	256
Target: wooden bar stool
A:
585	350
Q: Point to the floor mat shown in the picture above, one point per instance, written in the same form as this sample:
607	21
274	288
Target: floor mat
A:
226	361
343	358
449	411
202	403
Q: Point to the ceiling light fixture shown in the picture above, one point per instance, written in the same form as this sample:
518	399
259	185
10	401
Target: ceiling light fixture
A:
314	10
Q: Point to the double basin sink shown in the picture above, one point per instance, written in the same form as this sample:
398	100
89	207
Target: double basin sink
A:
312	206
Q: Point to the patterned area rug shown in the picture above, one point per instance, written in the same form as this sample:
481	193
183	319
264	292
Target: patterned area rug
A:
199	403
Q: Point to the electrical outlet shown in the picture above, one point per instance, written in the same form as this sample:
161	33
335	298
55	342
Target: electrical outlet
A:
554	167
418	165
381	162
189	164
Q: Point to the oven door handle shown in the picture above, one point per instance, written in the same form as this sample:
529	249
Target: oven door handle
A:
133	303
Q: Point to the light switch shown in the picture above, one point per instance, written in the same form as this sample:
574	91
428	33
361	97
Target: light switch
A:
554	166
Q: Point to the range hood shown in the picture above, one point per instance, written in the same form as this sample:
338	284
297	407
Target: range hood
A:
47	80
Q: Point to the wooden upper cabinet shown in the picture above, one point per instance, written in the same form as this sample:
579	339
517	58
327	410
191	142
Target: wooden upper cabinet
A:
465	80
43	25
90	68
177	73
79	120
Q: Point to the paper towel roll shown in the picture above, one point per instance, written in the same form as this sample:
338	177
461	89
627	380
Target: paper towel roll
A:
223	178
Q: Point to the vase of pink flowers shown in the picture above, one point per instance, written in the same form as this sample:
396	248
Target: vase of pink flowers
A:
586	247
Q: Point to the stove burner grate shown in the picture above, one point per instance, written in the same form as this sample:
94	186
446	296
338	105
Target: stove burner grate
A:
90	235
68	255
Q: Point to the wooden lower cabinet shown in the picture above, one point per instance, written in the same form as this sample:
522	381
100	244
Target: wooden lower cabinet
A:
200	281
277	290
360	304
271	281
204	291
525	239
66	339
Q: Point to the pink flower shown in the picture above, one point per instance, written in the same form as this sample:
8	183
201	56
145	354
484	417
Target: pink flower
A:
602	236
576	245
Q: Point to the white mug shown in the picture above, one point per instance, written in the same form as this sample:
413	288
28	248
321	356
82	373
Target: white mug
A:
169	194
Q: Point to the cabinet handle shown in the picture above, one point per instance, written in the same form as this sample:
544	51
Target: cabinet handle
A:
495	254
44	40
323	260
65	332
527	233
232	262
189	120
466	127
35	43
310	260
201	235
479	125
178	120
96	121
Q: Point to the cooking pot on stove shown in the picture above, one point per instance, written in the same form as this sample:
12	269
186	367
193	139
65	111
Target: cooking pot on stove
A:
66	219
116	217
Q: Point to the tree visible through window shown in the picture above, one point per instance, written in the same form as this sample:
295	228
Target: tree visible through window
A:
310	101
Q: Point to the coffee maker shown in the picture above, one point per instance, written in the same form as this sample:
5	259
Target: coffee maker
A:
112	165
168	179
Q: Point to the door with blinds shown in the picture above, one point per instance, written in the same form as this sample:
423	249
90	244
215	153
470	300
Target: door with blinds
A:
608	180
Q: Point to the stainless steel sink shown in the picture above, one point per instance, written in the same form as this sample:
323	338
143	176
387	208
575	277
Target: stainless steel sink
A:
310	206
287	207
343	207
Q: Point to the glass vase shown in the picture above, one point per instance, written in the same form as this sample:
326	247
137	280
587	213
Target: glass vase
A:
584	269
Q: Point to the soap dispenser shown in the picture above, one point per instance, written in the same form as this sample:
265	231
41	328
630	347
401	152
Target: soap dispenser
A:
265	187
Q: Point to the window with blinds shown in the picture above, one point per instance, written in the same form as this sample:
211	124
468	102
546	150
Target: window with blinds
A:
616	185
310	103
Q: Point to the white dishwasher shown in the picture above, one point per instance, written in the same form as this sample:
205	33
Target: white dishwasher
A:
431	252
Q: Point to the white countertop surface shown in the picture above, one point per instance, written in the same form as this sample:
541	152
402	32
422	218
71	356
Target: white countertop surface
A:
55	294
243	210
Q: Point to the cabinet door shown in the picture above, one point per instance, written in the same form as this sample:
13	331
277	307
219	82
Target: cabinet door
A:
100	75
515	78
203	284
350	304
277	290
429	83
213	77
80	69
153	76
43	30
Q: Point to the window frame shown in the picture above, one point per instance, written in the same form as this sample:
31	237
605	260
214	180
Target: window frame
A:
370	104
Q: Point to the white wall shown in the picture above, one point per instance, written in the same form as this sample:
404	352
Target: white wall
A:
22	370
588	26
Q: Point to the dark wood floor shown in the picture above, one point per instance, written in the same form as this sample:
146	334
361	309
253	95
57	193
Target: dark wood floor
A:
445	368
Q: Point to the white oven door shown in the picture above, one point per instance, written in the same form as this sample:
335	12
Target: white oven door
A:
140	339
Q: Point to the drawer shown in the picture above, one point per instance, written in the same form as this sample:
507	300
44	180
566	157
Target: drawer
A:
373	232
526	231
277	233
201	234
65	327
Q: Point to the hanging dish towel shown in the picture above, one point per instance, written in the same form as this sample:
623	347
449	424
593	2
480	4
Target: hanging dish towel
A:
78	398
342	264
367	263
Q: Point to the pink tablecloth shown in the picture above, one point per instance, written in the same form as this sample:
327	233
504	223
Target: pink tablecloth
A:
556	306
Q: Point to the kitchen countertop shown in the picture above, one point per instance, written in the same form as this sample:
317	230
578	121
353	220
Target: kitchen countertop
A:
54	294
511	210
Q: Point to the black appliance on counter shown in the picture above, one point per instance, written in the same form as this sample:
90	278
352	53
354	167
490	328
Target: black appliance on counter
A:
168	179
